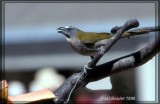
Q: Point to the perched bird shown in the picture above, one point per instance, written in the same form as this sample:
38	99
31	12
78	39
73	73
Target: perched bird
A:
86	43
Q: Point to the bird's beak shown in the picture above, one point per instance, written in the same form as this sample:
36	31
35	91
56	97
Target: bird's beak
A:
61	30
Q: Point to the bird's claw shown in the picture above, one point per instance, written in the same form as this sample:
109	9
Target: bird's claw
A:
86	68
102	51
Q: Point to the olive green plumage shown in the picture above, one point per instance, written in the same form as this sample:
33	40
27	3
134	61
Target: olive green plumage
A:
91	37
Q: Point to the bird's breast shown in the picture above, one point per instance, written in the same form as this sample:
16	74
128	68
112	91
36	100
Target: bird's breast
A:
81	48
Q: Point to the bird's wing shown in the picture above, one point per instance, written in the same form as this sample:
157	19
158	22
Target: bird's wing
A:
92	37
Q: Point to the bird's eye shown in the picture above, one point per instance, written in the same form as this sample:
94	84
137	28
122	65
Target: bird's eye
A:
69	29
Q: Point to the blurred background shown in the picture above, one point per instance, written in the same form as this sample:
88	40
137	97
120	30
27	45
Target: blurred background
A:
38	57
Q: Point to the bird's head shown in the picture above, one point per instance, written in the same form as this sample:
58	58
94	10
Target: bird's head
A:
68	31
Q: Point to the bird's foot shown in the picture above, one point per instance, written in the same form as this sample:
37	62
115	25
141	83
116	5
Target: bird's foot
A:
102	51
86	69
92	57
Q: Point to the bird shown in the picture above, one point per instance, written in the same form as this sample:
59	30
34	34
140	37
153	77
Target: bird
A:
87	43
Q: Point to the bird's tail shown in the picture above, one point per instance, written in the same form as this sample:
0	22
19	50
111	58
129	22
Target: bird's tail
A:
140	31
